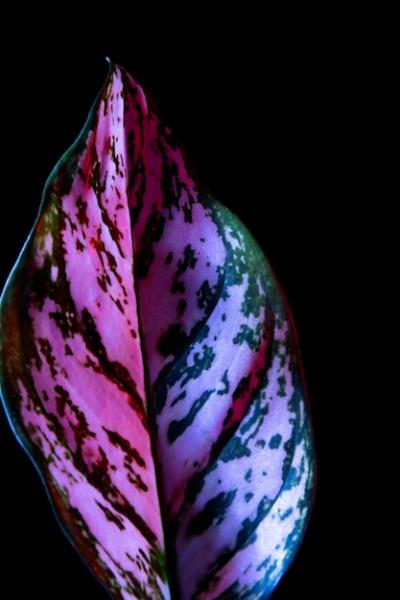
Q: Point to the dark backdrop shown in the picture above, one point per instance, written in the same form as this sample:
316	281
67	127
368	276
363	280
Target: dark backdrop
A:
271	127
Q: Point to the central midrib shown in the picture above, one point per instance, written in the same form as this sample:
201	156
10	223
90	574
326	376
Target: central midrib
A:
169	546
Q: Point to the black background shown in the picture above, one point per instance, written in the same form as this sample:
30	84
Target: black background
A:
272	123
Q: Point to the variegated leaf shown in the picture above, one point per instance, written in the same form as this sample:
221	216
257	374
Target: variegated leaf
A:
150	367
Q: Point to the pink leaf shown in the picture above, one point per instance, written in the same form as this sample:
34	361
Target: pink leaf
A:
150	367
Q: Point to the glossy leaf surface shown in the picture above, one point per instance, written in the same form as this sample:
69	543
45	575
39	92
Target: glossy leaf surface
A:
150	367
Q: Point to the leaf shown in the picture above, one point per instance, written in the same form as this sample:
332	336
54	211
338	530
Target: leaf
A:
150	368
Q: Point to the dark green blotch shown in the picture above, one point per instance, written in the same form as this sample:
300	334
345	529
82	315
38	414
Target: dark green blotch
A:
225	381
245	536
252	337
173	341
253	300
212	514
294	477
286	514
294	537
205	296
275	441
174	370
189	259
180	397
203	332
224	437
263	564
196	483
234	449
281	382
176	428
201	363
177	287
289	447
264	587
259	412
188	262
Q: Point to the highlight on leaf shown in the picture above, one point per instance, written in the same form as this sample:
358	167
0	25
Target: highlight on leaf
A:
149	366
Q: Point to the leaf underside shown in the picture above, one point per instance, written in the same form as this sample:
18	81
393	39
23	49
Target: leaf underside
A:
150	368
